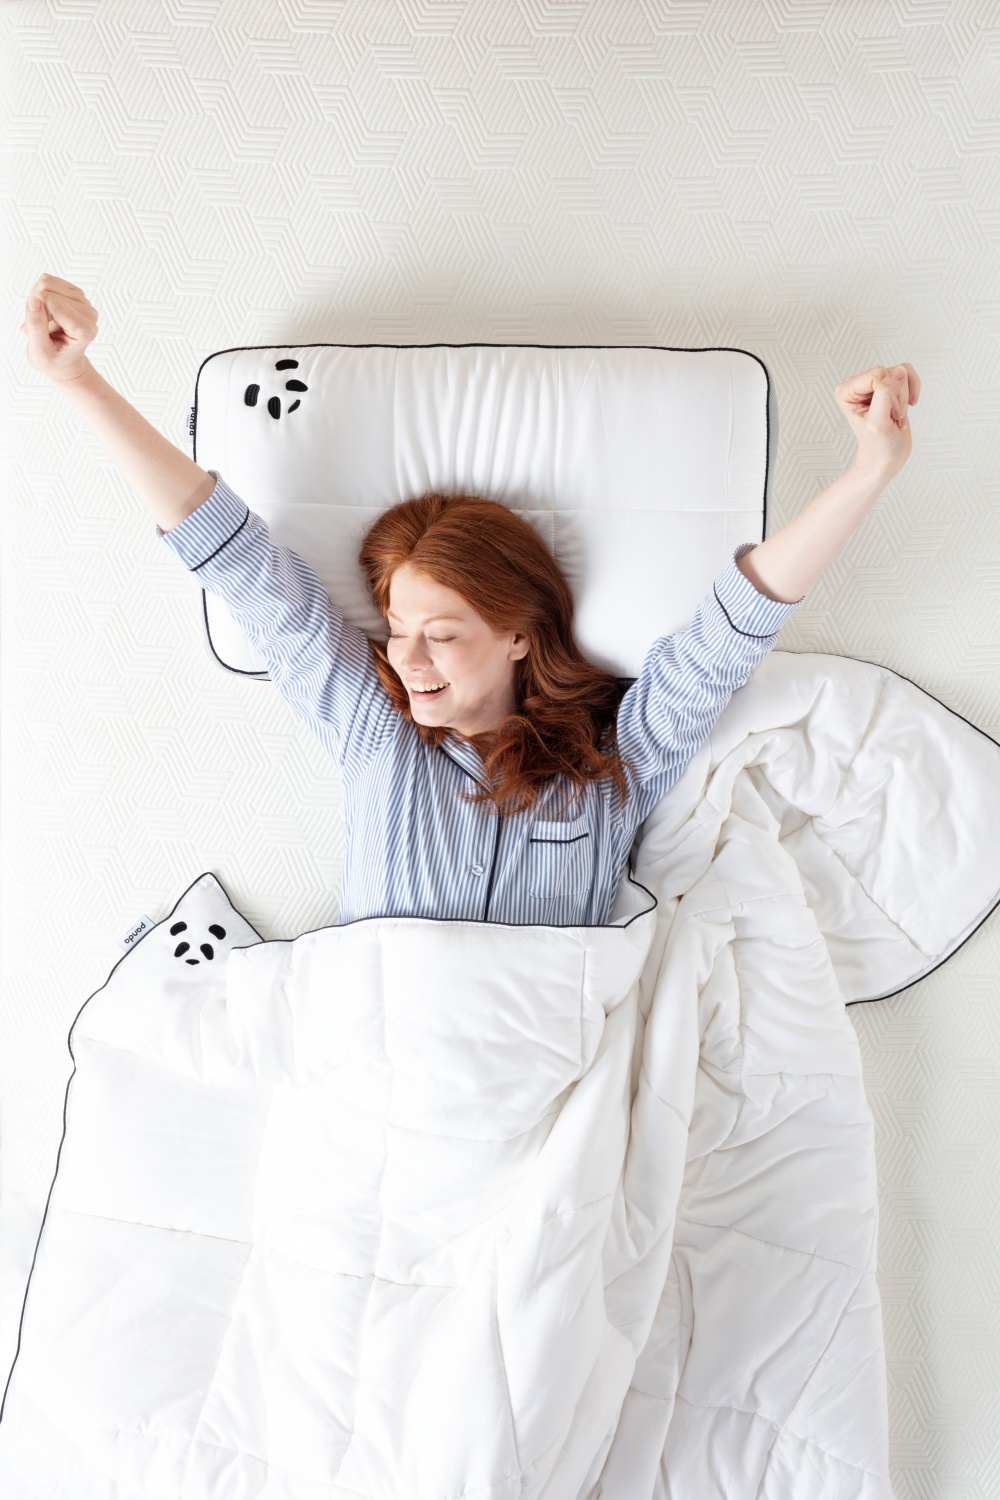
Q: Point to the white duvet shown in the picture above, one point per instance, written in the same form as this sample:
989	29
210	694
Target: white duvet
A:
415	1209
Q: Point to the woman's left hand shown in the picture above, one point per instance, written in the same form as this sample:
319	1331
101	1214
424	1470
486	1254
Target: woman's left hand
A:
876	405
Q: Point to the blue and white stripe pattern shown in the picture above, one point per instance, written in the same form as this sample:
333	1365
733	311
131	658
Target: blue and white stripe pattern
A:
414	846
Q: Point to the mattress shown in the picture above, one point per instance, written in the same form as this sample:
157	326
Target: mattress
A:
608	174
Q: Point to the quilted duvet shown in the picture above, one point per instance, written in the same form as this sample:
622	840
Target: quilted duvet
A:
410	1209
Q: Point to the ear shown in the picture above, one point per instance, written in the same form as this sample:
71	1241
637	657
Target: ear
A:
519	648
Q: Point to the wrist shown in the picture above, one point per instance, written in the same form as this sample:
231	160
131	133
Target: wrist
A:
75	373
873	473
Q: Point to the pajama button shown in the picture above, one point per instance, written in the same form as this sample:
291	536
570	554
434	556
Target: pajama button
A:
475	869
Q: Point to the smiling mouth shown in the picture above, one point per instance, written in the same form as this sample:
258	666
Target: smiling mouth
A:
433	693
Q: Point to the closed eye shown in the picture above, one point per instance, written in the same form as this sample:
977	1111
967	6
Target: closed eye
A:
438	640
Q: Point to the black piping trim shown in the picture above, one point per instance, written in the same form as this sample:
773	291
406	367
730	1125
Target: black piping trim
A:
753	636
493	866
770	418
219	548
260	676
328	927
574	840
877	999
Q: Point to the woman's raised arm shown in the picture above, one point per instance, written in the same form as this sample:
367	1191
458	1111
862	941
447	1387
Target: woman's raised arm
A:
317	661
169	484
876	405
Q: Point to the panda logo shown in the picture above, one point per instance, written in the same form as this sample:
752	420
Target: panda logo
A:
205	949
252	392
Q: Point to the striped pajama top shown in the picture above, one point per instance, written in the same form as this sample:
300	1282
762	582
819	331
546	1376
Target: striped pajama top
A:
414	846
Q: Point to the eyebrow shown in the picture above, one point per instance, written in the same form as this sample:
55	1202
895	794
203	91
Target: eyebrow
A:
391	616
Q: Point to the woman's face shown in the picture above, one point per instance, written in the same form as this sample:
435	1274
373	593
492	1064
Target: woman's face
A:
437	637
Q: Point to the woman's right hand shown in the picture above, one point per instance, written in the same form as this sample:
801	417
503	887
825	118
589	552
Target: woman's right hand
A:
59	329
875	404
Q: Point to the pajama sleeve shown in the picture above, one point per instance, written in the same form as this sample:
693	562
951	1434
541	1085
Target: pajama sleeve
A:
687	678
319	663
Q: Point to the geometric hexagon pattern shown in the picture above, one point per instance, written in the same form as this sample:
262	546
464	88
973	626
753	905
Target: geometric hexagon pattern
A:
814	180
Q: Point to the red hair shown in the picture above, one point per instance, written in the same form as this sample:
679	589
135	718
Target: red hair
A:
566	706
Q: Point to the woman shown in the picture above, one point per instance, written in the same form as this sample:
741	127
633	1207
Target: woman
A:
489	771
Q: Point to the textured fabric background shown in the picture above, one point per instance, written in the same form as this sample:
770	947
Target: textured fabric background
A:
815	180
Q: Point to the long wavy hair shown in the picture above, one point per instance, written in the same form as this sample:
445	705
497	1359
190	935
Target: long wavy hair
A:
566	707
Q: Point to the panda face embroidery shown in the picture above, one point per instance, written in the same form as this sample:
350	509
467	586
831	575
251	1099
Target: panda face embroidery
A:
204	948
252	392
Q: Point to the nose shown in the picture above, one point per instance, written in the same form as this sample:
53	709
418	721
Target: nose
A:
415	654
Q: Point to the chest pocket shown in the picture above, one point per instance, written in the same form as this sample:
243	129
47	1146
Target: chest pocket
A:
560	856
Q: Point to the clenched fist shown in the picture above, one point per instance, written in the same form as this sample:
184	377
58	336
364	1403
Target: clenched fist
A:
59	328
876	405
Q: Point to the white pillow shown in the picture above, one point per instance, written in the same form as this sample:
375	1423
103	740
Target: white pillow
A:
643	468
